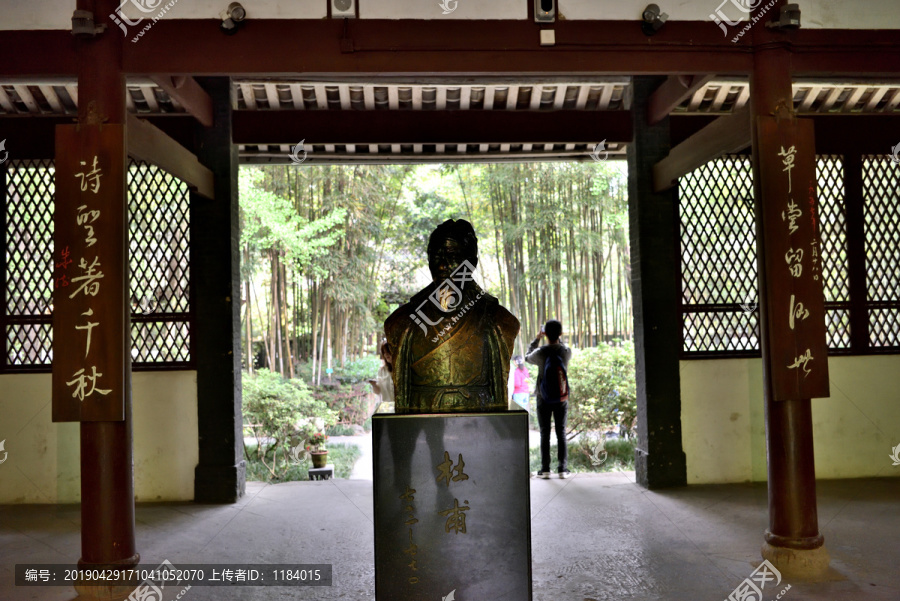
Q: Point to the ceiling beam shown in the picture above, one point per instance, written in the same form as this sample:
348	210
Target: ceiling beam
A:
675	90
453	48
726	135
430	127
188	93
147	142
32	137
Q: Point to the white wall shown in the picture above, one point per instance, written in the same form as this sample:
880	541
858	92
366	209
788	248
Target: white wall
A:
816	14
723	427
42	465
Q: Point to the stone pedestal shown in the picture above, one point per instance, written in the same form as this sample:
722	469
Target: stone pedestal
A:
803	564
452	506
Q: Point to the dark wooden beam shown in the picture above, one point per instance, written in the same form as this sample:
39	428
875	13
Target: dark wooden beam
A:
439	47
149	143
672	93
430	127
725	135
188	93
31	137
452	47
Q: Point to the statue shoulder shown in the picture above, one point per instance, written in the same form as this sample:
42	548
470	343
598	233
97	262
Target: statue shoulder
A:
397	321
506	321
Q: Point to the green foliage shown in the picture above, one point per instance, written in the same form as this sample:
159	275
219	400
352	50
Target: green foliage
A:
340	430
603	393
359	370
290	469
280	409
271	222
350	402
582	455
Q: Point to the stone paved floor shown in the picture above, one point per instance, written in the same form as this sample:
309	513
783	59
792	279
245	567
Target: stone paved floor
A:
597	537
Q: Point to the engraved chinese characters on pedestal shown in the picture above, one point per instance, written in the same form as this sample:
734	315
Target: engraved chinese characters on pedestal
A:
795	300
89	261
449	347
452	506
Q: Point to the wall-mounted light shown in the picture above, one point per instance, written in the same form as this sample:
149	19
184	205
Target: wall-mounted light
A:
343	9
544	11
83	24
232	18
652	19
788	18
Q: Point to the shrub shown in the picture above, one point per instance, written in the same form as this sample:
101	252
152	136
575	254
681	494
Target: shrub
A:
603	392
342	456
282	410
359	370
340	430
350	402
583	455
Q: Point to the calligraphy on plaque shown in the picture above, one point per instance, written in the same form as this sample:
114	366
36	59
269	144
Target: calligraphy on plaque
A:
89	262
798	348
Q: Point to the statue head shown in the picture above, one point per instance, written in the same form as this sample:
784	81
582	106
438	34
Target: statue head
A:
451	243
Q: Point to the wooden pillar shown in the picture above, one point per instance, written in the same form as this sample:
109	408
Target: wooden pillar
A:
856	250
220	477
792	541
107	469
656	291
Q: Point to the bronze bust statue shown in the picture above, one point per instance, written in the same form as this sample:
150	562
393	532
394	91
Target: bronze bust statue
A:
449	347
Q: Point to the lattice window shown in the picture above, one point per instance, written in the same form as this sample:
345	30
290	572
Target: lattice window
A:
833	235
29	241
718	257
719	264
881	201
160	274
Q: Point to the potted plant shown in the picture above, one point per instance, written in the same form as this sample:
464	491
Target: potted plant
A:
317	449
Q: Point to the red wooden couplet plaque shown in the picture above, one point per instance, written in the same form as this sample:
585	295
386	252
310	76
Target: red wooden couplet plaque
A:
89	261
798	351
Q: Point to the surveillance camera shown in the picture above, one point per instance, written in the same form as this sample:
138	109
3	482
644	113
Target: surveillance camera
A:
235	12
788	18
232	17
544	11
653	19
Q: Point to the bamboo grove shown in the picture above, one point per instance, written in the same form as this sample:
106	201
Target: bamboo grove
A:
330	251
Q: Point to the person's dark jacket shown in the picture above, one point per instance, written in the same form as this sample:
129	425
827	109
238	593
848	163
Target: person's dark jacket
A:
538	356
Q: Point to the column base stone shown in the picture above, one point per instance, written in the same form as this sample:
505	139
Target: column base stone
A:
803	564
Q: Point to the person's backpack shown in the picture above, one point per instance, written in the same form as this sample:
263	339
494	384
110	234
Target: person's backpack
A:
555	383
